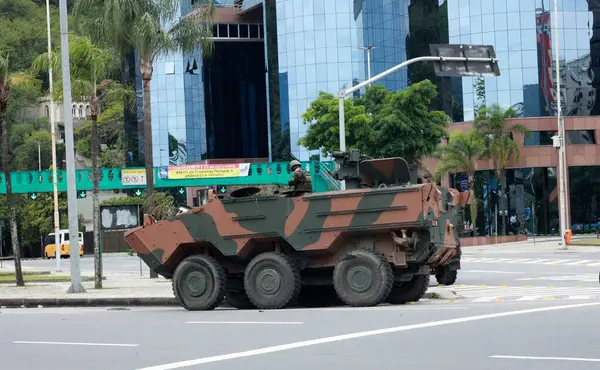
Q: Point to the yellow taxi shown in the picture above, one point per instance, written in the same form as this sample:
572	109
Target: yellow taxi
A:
65	248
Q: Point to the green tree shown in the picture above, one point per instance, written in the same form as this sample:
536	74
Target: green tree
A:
323	117
380	123
138	24
493	123
89	65
7	81
460	155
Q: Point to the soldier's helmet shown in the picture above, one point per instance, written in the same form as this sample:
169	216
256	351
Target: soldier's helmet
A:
294	163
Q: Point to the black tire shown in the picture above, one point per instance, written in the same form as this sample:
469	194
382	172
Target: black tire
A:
372	267
446	276
318	296
199	283
239	299
272	280
410	291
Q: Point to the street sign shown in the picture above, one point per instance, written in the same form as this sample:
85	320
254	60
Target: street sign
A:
135	177
82	194
32	196
467	67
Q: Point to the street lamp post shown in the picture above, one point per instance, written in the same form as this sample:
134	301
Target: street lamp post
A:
343	93
53	134
562	181
368	49
76	286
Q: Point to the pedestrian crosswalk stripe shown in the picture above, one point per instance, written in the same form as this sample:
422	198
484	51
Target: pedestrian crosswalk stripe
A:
533	261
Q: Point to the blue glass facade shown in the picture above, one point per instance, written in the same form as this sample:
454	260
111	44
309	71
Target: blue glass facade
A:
318	44
521	32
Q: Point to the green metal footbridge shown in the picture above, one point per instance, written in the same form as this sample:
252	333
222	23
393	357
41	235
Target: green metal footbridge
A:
269	173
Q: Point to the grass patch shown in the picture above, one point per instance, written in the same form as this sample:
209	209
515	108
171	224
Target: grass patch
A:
592	242
4	279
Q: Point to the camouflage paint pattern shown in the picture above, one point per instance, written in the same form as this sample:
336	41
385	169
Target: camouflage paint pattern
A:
322	226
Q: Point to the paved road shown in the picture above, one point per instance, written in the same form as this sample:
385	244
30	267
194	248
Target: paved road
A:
427	335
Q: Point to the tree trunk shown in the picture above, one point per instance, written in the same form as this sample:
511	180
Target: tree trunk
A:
146	70
14	234
96	191
148	156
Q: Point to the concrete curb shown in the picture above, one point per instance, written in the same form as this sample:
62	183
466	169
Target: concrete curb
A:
87	302
432	293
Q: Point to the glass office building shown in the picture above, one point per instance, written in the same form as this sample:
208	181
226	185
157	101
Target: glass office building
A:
272	57
521	32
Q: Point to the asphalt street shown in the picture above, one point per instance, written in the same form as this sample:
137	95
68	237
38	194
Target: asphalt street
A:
429	335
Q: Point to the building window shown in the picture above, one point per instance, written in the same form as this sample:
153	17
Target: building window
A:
581	137
81	115
74	111
47	111
537	138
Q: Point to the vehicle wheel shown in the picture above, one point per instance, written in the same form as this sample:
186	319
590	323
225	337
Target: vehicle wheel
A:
272	280
446	277
363	279
318	296
239	299
410	291
199	283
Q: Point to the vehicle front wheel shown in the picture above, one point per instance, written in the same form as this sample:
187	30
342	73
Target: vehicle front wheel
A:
272	280
410	291
446	276
199	283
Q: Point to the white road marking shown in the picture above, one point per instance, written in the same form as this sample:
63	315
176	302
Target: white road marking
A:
548	358
338	338
492	272
248	322
79	344
530	298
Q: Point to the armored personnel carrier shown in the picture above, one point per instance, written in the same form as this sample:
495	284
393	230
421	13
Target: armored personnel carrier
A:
376	241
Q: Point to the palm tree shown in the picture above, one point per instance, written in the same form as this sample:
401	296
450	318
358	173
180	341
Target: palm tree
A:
493	124
140	24
7	81
89	65
461	155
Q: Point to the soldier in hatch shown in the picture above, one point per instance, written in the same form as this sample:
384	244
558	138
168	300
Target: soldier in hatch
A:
301	180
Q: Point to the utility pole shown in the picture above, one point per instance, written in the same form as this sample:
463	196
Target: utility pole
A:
76	286
53	134
39	157
562	139
368	49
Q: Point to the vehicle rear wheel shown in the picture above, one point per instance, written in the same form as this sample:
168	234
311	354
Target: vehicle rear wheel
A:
318	296
239	299
272	280
446	276
363	279
199	283
410	291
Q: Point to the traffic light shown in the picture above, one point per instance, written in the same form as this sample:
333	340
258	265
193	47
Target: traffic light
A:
221	189
32	196
81	194
137	192
180	190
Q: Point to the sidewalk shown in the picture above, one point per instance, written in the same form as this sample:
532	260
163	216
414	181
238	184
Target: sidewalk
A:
116	290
